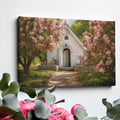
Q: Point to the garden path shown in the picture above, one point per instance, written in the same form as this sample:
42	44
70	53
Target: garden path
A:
64	79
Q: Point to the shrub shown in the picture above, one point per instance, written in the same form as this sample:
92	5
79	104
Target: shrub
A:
96	79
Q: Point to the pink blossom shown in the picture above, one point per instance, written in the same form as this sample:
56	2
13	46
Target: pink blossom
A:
85	33
28	22
31	33
6	118
97	67
21	29
41	38
98	35
90	23
23	34
26	28
75	107
95	29
99	27
26	106
104	56
106	39
100	64
108	53
113	47
52	62
39	46
89	40
22	43
93	54
108	62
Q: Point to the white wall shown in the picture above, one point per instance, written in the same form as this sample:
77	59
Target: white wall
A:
80	9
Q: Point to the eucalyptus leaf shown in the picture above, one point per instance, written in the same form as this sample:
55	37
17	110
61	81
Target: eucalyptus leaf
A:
5	92
4	81
41	93
49	98
1	102
6	111
107	104
91	118
105	118
41	111
11	101
116	102
30	91
13	88
114	112
31	116
80	113
28	100
60	101
52	89
18	116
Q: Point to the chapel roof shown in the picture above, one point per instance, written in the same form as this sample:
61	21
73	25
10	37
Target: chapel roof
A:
74	35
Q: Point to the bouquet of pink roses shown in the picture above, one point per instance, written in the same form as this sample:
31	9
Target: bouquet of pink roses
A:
43	105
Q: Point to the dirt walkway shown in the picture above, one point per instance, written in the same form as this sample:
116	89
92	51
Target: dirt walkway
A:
64	79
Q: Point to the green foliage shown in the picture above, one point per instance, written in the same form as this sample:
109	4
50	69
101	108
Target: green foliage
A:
49	98
36	78
35	61
42	92
30	91
79	27
1	103
80	113
113	110
6	89
11	101
4	81
43	57
96	79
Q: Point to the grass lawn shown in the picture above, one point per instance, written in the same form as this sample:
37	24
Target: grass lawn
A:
36	78
96	79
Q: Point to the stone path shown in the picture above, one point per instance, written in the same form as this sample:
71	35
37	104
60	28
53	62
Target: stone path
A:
64	79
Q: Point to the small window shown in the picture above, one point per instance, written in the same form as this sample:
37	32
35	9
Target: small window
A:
66	37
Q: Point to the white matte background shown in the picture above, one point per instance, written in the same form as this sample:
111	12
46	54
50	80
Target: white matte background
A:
90	97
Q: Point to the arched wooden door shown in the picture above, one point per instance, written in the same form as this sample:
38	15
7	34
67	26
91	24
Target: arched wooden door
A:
66	57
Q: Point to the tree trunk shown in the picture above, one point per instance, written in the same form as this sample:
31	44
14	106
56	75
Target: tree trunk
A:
26	69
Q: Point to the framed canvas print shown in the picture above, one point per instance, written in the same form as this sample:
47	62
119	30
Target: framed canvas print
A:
65	52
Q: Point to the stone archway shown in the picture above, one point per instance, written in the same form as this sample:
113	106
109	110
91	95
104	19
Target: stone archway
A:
66	57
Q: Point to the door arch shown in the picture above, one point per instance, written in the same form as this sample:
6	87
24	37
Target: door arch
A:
66	57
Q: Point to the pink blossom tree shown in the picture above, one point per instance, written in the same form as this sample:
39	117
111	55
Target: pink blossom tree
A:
100	44
35	36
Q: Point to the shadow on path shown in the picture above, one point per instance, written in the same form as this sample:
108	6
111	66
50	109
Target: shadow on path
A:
64	79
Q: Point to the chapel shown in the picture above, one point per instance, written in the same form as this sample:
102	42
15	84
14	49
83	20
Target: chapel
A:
69	51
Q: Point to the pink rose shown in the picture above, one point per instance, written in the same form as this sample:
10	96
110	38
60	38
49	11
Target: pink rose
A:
52	108
55	117
6	118
69	117
75	107
61	112
26	106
